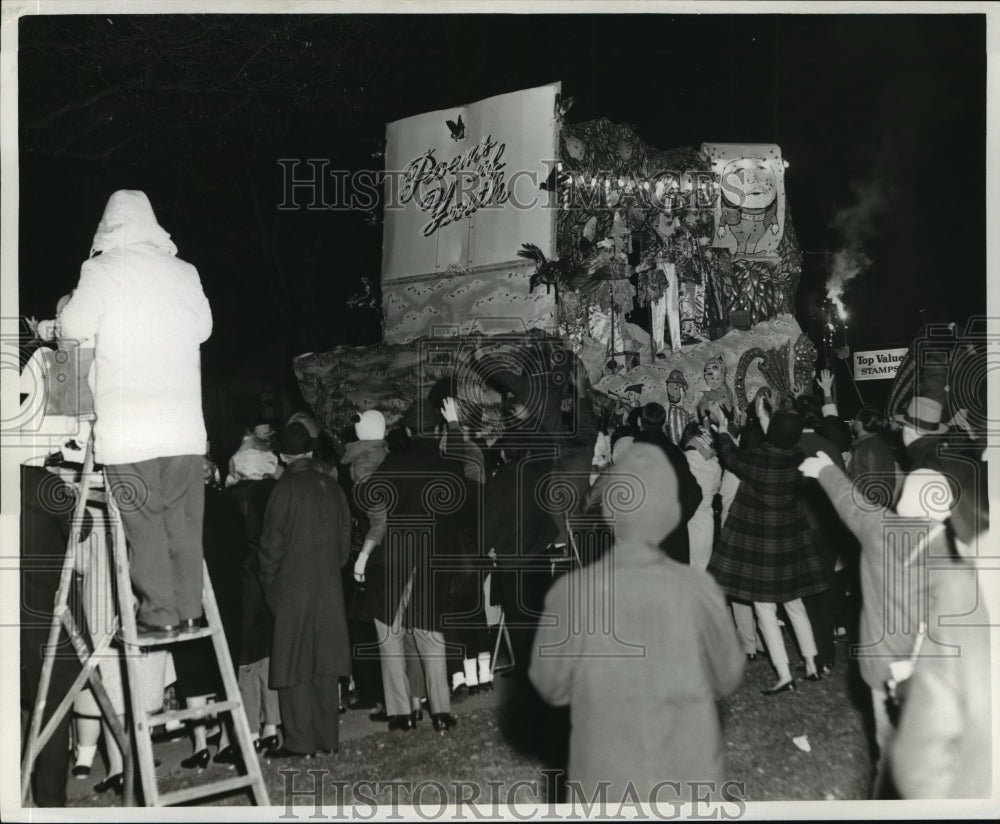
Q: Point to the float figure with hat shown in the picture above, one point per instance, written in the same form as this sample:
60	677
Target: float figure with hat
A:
677	416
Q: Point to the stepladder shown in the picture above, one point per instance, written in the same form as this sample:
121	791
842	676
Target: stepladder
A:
88	650
130	722
145	722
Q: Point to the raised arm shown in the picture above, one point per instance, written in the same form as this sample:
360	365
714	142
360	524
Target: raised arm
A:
459	447
81	317
728	453
858	517
825	382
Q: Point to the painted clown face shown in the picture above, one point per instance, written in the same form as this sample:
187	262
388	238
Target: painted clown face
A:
675	392
749	183
714	374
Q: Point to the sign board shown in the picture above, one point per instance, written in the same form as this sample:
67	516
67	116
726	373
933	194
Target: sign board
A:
463	192
877	364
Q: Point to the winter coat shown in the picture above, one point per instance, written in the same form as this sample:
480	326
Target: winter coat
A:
642	691
895	583
832	536
257	626
767	551
875	469
515	524
305	541
430	511
149	316
944	743
364	457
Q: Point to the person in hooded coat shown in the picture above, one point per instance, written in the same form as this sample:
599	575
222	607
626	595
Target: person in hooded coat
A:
147	312
305	542
642	690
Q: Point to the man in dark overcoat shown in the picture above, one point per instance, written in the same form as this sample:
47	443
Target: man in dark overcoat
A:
428	507
305	542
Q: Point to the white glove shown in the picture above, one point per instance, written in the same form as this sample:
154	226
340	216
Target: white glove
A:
811	467
46	329
449	410
359	568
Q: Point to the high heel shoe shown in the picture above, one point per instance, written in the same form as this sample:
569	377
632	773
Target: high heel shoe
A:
814	676
269	742
229	755
112	782
197	761
81	771
788	686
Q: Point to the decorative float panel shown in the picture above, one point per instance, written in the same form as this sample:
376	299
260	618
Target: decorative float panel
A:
462	192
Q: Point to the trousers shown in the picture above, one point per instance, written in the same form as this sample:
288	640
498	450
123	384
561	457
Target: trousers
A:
746	628
701	534
162	504
430	648
257	695
767	617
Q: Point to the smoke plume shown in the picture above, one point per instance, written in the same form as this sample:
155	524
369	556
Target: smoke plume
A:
856	226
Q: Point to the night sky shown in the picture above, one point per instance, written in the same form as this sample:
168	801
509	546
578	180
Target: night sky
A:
882	119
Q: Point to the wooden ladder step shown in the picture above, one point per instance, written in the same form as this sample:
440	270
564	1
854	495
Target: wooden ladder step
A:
226	785
190	635
155	719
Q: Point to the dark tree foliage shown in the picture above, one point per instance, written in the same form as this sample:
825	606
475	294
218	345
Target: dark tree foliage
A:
197	110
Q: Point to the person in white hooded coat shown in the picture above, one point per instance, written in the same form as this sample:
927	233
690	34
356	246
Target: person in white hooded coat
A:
149	316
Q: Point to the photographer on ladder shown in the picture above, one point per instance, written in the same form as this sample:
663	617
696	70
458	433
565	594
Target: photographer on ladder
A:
148	313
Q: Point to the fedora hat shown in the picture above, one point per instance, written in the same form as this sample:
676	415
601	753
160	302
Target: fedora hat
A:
922	414
676	376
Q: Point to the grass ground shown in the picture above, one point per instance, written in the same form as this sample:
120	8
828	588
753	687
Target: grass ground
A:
758	730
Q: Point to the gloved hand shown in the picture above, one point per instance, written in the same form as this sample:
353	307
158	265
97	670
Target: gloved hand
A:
811	467
449	410
359	568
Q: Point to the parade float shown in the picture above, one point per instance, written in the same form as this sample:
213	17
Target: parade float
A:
513	238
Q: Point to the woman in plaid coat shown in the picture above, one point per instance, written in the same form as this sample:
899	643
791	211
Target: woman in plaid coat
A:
767	552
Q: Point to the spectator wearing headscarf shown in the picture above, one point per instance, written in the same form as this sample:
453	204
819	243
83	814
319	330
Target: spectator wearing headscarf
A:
672	653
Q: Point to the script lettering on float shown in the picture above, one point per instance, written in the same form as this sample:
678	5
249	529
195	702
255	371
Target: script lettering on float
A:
877	364
453	189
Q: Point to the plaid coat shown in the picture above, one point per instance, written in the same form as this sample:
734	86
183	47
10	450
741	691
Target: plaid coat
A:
767	551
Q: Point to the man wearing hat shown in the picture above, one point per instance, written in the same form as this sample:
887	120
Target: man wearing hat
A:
677	416
305	541
923	436
895	587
